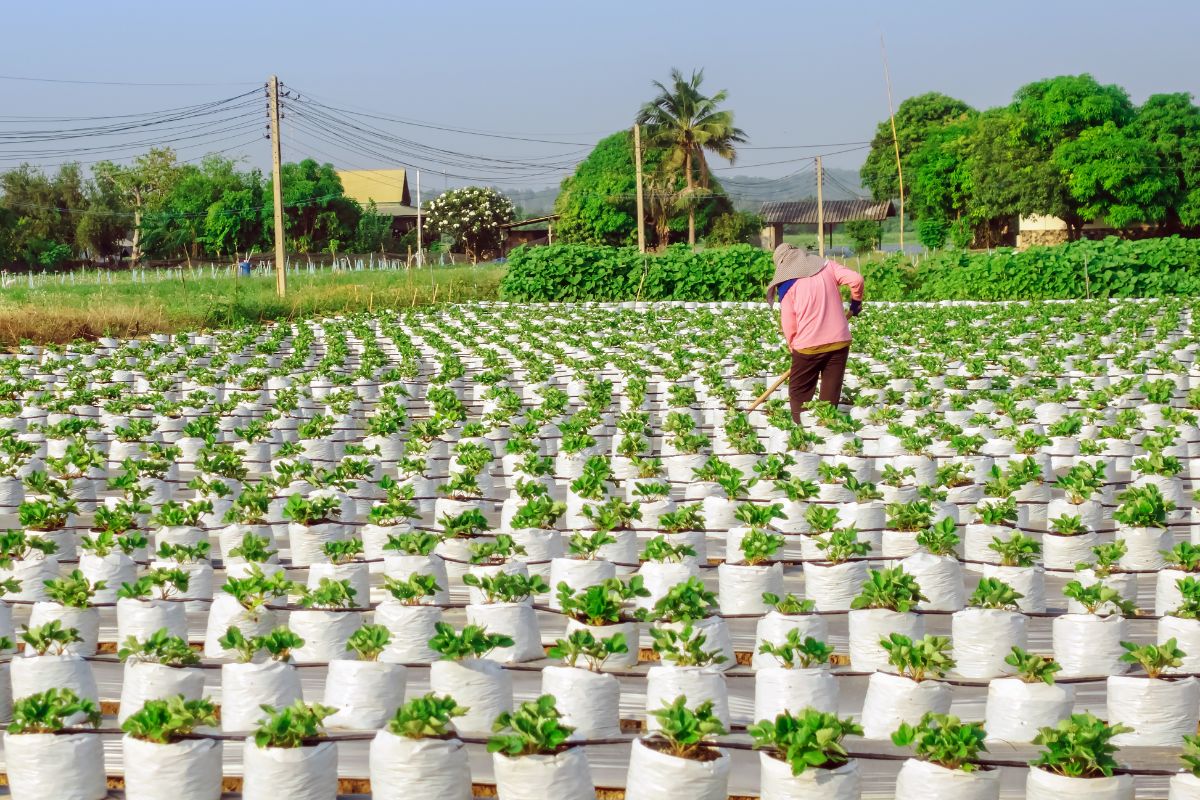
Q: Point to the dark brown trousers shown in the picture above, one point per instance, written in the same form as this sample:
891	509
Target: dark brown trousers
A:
829	367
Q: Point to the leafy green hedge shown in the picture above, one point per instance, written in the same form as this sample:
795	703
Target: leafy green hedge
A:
1114	268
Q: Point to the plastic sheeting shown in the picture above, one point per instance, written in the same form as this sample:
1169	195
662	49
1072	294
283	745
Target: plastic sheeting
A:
940	579
922	780
366	694
1042	785
517	620
186	770
245	688
893	699
325	634
589	701
1160	712
658	776
665	683
62	767
145	680
483	687
300	773
1088	645
141	618
832	587
983	637
774	627
404	769
741	587
562	776
776	781
777	689
868	626
411	628
1016	710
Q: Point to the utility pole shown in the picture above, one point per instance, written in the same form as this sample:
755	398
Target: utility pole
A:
820	211
887	76
277	173
637	160
420	256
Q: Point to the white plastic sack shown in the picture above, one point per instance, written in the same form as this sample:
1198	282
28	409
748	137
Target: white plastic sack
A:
983	637
34	674
357	572
1088	645
624	552
47	765
1030	582
325	634
777	689
1016	710
776	781
658	579
1145	547
145	680
541	546
247	687
578	574
476	595
401	567
114	569
716	632
31	573
85	620
300	773
1160	712
403	768
589	701
1043	785
1184	786
629	629
898	544
1167	596
186	770
227	612
741	587
658	776
479	685
832	587
867	626
893	699
411	628
923	780
940	579
1186	633
563	775
665	683
141	618
366	694
774	628
517	620
1064	552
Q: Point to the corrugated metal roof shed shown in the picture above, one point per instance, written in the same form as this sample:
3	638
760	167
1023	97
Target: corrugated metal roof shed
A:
804	212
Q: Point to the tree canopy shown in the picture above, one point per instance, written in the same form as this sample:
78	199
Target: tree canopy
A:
1068	147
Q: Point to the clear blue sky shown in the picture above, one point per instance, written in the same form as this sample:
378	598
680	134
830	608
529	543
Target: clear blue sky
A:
797	72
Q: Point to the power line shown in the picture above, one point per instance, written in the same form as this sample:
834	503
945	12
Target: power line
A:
121	83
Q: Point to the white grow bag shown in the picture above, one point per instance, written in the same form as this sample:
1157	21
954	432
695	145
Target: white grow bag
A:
186	770
42	766
402	768
565	775
893	699
658	776
300	773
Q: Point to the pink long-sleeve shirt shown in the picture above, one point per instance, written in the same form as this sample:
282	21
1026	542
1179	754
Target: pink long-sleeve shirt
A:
811	313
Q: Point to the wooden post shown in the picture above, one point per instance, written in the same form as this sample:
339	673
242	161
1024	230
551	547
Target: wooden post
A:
820	211
637	160
277	188
887	76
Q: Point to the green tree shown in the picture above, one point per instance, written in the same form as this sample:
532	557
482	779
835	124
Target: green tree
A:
596	204
865	234
374	231
472	217
41	213
1113	174
915	118
1171	124
143	186
687	124
317	214
734	227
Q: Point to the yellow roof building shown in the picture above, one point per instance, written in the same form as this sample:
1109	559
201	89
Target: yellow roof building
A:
387	188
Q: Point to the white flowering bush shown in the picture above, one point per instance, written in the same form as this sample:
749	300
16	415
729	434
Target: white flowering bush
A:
472	217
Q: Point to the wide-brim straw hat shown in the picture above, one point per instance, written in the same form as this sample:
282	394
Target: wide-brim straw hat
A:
792	262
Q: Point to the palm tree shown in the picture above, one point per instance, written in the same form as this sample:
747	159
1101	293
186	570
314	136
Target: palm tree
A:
685	123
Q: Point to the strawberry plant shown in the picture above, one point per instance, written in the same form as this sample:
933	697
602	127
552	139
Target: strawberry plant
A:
812	740
793	652
369	641
943	740
291	726
50	639
413	543
48	712
994	593
413	589
1018	550
506	587
1095	596
1154	658
1079	747
170	720
685	732
929	655
892	589
688	601
73	591
328	594
426	717
583	644
497	550
601	604
473	642
159	648
788	605
586	547
684	647
1032	668
534	728
940	538
759	546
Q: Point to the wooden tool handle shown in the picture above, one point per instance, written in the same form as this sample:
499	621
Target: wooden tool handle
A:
762	398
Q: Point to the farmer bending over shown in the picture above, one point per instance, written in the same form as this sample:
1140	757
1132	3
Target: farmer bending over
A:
814	324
